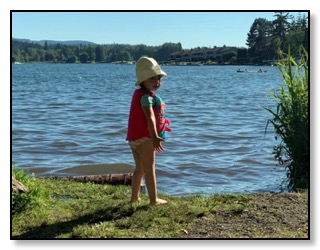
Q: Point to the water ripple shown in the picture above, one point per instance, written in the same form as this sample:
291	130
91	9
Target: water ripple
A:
78	115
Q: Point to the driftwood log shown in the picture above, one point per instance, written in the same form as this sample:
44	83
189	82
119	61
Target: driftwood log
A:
17	187
113	179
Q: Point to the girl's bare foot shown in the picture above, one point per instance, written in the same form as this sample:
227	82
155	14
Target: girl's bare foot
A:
134	201
159	202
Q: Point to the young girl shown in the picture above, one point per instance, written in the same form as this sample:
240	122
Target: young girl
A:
146	127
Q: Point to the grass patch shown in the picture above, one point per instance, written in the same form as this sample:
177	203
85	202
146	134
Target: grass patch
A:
34	197
86	210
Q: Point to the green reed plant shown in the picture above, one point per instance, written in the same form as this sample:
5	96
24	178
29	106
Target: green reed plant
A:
291	120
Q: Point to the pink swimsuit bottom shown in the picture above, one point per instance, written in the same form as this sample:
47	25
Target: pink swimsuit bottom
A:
136	143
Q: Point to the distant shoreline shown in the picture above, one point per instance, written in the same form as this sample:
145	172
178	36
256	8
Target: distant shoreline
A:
161	63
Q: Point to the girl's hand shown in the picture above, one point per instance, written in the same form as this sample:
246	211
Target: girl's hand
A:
157	144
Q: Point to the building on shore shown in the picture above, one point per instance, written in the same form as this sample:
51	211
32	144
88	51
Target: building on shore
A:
202	54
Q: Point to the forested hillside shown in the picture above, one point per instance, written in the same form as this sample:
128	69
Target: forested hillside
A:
264	40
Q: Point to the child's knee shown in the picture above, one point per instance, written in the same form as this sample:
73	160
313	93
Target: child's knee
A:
138	171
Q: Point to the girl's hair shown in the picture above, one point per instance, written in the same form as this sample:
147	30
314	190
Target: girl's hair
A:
142	86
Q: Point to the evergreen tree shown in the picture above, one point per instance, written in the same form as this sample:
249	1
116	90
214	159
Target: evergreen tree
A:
259	38
280	26
100	53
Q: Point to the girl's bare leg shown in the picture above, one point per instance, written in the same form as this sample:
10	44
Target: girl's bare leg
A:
136	178
147	156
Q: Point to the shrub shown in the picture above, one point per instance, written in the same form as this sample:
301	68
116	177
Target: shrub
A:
291	120
34	196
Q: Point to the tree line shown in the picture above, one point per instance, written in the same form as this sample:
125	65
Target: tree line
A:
264	40
62	53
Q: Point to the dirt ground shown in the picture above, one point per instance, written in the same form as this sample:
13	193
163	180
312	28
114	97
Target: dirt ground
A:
282	215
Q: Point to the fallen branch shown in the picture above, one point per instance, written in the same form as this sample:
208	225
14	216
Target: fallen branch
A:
113	179
17	187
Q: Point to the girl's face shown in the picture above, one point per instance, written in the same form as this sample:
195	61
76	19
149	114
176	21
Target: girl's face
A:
153	83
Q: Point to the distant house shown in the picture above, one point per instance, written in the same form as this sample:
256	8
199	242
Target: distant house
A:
202	54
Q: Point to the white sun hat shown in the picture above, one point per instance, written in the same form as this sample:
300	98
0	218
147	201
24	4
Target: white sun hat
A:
147	67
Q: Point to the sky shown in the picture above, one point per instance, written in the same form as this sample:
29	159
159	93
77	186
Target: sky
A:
191	29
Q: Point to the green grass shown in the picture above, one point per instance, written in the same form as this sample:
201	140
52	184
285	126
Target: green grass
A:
35	196
86	210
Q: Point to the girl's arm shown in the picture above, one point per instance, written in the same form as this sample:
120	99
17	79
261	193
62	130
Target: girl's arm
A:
148	111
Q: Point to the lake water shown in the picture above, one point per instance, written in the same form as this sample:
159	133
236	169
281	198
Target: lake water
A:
72	119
